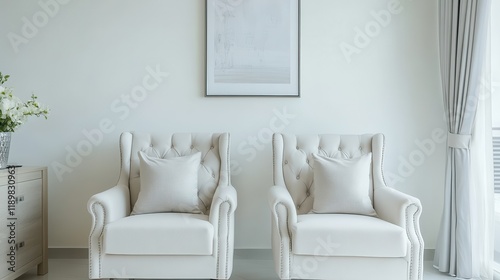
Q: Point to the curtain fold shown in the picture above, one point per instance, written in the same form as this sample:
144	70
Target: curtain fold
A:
463	26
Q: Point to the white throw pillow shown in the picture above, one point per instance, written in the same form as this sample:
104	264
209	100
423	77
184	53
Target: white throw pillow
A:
168	185
342	185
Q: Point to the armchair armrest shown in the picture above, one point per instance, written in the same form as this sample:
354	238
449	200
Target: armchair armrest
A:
223	194
403	210
221	216
283	219
104	207
279	195
109	205
395	207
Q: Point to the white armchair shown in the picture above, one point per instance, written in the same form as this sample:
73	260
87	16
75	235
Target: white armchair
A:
340	246
167	244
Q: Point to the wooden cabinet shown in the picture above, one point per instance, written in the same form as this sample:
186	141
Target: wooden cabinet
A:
23	221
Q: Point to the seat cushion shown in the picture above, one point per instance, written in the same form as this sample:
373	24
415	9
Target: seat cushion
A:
160	234
347	235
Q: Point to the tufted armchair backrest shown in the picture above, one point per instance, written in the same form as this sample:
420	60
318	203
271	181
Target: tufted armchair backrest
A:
293	162
214	166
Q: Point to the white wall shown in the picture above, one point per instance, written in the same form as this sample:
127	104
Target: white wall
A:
91	53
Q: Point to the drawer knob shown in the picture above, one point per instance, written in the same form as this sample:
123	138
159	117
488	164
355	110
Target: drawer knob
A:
19	245
19	198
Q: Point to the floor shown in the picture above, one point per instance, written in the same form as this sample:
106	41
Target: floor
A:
244	269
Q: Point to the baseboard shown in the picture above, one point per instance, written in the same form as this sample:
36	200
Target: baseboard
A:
68	253
268	254
253	254
258	254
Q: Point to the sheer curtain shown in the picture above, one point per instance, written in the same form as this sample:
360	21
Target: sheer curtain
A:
495	76
464	245
482	186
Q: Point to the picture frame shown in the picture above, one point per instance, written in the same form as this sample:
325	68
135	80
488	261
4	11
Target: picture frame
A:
252	48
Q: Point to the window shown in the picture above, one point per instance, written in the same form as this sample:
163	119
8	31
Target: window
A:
496	158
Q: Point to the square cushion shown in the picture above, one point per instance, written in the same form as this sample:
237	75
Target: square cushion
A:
342	185
160	234
347	235
168	185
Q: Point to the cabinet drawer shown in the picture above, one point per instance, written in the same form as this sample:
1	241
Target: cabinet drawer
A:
29	242
28	204
28	246
4	248
19	176
29	201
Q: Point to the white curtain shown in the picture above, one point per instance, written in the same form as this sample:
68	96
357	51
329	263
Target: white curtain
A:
482	185
466	227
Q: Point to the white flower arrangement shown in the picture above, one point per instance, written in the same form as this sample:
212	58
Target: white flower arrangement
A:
14	112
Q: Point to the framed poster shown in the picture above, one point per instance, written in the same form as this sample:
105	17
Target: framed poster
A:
252	48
